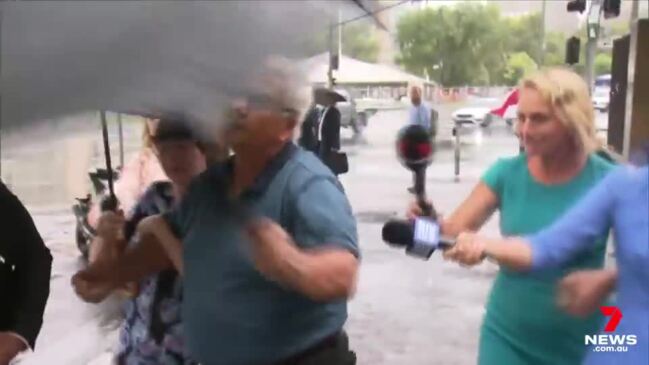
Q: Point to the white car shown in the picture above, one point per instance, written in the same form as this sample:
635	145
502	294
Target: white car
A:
601	99
476	115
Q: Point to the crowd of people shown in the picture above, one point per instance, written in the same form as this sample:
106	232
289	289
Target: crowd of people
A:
251	257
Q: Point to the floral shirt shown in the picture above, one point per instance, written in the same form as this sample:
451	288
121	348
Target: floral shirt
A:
152	332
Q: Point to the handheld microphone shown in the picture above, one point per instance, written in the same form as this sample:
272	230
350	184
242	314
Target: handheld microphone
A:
420	238
415	151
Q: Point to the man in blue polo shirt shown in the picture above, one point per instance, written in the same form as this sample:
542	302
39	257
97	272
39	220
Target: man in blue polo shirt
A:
269	244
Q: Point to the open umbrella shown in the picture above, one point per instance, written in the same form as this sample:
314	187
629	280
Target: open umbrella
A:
67	56
322	96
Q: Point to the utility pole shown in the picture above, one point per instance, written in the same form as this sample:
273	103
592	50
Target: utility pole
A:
592	28
330	72
635	9
543	45
340	34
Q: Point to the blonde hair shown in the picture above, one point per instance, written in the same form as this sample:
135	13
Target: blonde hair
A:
569	98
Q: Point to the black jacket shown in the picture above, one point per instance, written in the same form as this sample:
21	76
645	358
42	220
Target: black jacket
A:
309	132
25	267
330	132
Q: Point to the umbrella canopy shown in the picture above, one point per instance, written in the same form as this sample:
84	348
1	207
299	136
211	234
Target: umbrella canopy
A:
322	96
68	56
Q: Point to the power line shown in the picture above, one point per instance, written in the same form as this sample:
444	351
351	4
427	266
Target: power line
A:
388	7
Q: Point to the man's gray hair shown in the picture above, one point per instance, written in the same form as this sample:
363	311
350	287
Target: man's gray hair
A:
286	84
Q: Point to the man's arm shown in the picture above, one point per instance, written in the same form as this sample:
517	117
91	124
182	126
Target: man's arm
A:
319	258
322	274
32	272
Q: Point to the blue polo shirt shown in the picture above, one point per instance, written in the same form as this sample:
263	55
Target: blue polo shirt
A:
233	315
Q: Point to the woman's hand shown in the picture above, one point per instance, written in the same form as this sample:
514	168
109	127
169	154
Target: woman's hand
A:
469	249
582	292
415	211
111	226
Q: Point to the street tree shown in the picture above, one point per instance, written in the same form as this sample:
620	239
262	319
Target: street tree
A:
460	45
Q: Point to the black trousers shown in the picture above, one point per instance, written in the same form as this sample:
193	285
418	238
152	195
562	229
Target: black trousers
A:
334	350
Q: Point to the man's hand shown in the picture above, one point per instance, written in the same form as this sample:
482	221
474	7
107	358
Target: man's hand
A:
271	247
469	249
582	292
10	347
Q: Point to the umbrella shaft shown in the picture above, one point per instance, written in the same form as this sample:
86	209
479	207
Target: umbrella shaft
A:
109	166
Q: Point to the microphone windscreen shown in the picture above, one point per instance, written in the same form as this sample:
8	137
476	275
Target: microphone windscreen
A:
398	233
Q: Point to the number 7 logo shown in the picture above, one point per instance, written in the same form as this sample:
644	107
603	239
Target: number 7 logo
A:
616	316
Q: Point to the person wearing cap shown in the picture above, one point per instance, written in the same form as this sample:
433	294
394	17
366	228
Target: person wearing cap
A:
329	130
269	252
152	331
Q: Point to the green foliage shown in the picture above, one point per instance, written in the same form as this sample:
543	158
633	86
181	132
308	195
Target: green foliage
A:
603	63
456	46
526	35
472	44
520	64
359	40
555	49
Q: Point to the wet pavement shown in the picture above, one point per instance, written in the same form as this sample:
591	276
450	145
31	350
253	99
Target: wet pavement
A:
406	310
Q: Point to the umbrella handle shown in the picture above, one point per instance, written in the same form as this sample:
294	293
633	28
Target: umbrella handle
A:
110	202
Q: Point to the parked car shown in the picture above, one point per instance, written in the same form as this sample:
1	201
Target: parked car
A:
350	116
601	98
476	115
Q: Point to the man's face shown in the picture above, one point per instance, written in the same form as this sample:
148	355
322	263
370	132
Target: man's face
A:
258	125
181	160
415	96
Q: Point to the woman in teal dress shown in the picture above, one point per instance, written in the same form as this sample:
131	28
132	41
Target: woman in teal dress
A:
523	324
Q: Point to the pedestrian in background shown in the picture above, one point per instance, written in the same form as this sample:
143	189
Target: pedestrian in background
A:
309	130
420	113
329	132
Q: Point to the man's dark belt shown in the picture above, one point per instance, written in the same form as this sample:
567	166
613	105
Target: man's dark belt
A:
330	342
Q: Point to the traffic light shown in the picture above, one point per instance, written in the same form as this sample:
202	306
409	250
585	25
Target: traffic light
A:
576	5
573	46
611	8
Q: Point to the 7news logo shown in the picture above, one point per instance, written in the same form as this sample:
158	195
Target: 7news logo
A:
610	342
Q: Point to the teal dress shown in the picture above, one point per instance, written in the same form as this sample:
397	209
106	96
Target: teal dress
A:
523	324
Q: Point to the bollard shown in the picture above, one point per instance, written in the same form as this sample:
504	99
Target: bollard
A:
456	134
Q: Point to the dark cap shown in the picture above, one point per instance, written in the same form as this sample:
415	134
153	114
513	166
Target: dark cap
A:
176	127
